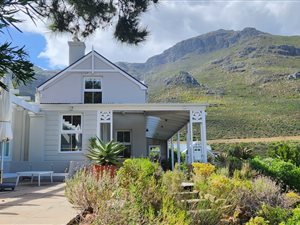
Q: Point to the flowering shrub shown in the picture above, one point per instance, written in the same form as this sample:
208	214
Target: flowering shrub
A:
257	221
203	169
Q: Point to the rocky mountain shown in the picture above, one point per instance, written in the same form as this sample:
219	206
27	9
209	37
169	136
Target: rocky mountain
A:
250	78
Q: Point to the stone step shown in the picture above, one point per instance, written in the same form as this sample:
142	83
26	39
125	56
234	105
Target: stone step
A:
191	204
187	195
187	186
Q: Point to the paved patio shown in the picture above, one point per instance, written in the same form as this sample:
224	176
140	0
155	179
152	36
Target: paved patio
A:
30	204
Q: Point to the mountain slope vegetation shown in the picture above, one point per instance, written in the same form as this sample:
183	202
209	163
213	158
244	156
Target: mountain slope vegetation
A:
250	78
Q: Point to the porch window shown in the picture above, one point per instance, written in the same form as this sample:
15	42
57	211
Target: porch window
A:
124	137
71	133
6	149
92	90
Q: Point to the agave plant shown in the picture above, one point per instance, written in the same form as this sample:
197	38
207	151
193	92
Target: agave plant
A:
104	153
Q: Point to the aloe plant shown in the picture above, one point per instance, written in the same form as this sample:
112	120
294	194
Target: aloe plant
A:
104	153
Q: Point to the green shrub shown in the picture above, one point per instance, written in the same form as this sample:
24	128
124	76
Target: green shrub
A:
137	169
285	172
257	221
275	215
295	218
286	151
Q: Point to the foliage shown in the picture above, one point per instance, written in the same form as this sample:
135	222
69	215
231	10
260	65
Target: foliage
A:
203	169
233	157
263	190
294	219
147	198
291	199
14	60
83	190
104	154
285	172
275	215
257	221
286	151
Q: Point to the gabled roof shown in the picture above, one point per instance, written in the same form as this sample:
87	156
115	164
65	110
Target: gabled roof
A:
98	55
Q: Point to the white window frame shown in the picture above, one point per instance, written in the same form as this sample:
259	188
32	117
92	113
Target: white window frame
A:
61	131
125	143
92	90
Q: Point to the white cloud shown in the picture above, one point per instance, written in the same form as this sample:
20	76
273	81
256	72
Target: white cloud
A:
173	21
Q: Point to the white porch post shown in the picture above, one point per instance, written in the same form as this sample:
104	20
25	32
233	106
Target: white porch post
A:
168	151
191	137
105	117
187	155
172	154
178	149
198	116
111	126
203	136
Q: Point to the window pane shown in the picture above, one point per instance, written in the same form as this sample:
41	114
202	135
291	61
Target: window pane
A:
97	84
127	151
88	97
71	122
105	132
120	136
97	97
77	122
71	142
76	142
88	84
65	144
92	83
127	137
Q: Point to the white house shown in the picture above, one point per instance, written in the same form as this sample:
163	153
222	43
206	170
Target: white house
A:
94	97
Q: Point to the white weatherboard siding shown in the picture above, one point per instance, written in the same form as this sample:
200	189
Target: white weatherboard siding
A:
136	124
67	89
53	129
119	89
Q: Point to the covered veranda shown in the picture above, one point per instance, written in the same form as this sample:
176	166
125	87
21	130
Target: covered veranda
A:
163	123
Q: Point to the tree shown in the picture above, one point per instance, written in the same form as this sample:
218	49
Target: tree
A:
80	18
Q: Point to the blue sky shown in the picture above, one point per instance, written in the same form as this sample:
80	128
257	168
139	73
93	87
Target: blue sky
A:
169	22
34	44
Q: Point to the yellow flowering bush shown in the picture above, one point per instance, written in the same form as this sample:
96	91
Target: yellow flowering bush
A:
291	198
203	169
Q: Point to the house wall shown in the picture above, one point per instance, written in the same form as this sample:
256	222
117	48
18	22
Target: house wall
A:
53	131
116	88
68	86
44	139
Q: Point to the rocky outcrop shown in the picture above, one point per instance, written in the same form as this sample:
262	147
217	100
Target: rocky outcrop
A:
182	79
286	50
294	76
